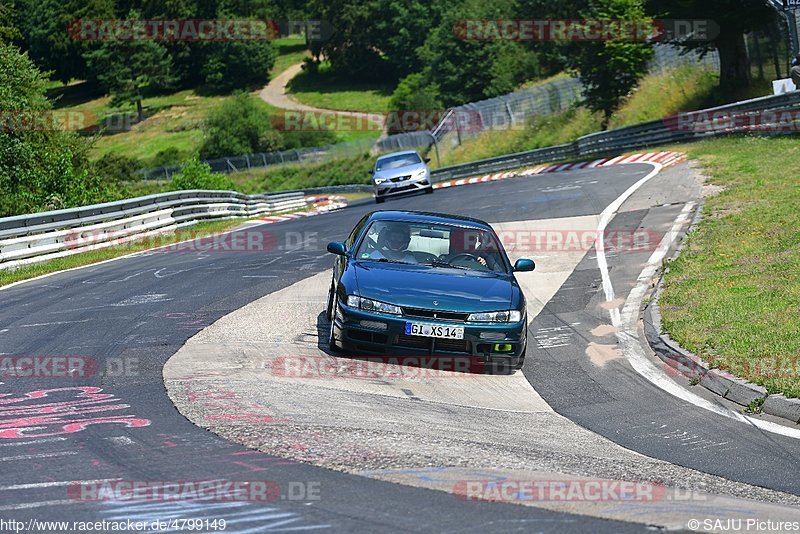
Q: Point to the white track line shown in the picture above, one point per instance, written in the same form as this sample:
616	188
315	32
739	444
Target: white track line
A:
61	484
627	321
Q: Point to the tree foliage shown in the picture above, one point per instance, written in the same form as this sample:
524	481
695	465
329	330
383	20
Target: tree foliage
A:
467	69
41	166
610	69
197	175
237	64
126	68
734	18
239	126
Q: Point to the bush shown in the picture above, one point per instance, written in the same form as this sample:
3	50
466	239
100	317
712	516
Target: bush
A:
234	64
40	168
197	175
413	93
169	156
239	126
308	139
350	170
116	168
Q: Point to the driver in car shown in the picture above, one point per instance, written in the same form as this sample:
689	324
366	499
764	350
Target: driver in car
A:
393	242
474	246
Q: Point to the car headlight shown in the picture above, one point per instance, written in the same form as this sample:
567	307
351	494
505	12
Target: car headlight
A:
379	181
420	173
372	305
508	316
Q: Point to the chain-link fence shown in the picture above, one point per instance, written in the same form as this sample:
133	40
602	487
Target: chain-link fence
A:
503	112
667	56
406	141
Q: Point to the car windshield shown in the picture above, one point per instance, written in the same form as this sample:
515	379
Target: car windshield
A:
437	245
395	162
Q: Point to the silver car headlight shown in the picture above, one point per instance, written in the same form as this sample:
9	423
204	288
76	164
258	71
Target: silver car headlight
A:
372	305
420	173
379	181
507	316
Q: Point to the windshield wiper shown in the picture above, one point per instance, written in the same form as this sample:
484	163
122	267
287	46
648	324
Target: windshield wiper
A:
387	260
444	263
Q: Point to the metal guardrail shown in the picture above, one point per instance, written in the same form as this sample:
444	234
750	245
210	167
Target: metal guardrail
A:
27	239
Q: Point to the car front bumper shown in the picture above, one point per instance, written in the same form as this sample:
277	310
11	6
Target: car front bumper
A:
388	189
363	332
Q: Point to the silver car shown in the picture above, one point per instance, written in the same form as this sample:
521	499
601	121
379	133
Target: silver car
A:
400	172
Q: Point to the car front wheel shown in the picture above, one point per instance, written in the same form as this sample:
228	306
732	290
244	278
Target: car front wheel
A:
329	309
331	338
379	200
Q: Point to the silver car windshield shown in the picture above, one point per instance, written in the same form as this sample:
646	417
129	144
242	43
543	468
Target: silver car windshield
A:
395	162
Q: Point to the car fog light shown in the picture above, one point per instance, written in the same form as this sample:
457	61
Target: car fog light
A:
375	325
493	336
503	347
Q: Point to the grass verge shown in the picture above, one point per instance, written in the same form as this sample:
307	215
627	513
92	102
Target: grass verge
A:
658	95
323	89
733	294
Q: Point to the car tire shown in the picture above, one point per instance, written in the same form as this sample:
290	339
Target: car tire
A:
332	345
329	308
379	200
429	190
521	360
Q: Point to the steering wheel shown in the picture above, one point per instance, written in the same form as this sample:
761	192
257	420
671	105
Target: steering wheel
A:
467	255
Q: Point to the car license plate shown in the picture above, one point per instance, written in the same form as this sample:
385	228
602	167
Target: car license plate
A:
435	330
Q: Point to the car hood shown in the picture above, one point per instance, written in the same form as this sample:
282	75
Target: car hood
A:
418	286
399	171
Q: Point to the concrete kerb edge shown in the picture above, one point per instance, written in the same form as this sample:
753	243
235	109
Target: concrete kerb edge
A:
690	365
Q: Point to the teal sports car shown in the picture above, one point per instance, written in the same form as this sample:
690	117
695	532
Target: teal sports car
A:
424	284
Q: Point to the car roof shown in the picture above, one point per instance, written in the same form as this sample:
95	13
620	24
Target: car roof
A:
425	216
401	153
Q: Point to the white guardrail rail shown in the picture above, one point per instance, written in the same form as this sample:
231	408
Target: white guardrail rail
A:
27	239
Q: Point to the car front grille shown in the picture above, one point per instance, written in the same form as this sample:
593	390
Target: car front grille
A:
424	343
435	314
399	179
452	345
414	342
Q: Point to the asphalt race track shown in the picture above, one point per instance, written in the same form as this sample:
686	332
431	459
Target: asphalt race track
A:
124	319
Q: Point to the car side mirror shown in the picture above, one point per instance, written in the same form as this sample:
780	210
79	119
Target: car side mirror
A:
427	160
524	265
369	172
334	247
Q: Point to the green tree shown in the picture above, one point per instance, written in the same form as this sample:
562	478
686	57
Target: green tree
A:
401	28
8	24
41	166
734	18
467	69
413	93
352	48
611	68
240	125
44	24
237	64
126	68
